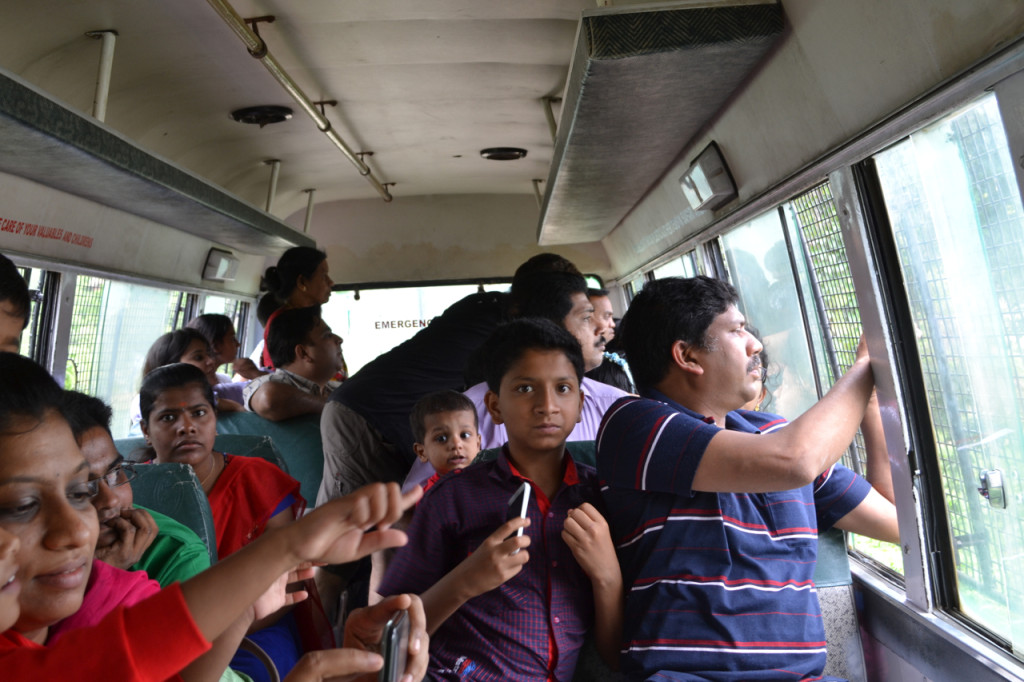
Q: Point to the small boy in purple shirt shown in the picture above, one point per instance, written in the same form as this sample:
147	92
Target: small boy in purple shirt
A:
501	606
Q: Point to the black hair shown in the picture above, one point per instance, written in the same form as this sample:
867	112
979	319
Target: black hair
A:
169	348
510	341
291	327
436	403
213	326
85	412
596	293
546	294
610	372
26	390
14	289
266	307
300	261
546	262
669	310
178	375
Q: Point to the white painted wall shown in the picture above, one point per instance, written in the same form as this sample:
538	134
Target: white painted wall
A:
844	67
435	237
51	225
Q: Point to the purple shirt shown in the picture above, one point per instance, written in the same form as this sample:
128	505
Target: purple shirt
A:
503	634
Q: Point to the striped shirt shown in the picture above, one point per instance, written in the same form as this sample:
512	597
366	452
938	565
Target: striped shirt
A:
719	586
507	633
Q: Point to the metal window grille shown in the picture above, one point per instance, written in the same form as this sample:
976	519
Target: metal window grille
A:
832	285
958	417
97	327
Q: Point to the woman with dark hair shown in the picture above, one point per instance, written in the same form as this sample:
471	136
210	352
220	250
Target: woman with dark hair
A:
219	330
299	280
48	577
247	495
45	479
189	346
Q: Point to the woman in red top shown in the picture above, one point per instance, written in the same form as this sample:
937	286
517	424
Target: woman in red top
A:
48	529
247	495
299	280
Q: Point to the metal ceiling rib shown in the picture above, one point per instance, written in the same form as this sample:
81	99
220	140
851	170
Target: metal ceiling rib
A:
44	141
641	85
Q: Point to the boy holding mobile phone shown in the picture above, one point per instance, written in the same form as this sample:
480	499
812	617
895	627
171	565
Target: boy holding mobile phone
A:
517	608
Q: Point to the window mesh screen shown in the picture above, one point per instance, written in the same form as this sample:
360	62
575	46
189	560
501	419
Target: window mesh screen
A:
832	284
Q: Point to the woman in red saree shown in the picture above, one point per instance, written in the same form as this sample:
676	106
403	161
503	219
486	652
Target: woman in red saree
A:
247	495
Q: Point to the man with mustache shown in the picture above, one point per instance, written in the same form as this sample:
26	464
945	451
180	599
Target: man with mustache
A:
715	510
562	298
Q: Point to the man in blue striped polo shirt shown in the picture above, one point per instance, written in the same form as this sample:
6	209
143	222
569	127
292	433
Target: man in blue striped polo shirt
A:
715	513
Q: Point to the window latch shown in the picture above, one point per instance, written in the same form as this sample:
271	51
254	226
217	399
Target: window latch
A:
992	488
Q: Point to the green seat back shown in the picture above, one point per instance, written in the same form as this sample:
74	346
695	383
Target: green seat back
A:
174	490
297	440
242	445
833	566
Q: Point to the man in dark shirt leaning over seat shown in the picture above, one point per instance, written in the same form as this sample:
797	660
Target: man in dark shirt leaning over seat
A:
715	513
307	355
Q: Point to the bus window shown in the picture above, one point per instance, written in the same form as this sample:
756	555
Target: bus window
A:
677	267
956	214
759	267
827	284
31	341
237	310
112	327
793	302
634	286
372	321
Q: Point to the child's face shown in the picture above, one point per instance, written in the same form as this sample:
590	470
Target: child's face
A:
451	440
198	355
539	402
226	349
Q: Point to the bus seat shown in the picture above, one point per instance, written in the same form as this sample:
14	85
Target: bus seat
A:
251	446
174	490
233	444
835	594
297	440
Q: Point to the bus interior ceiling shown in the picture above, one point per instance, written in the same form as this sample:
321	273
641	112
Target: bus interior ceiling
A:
426	87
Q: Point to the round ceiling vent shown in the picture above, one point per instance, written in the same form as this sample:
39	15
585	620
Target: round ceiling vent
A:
262	115
503	153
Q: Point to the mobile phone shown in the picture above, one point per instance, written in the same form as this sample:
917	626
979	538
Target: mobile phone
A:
394	647
517	506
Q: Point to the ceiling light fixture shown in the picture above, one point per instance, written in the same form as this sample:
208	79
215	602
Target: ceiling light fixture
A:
262	115
503	153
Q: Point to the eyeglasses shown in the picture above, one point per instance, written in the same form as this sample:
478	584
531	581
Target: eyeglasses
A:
115	477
